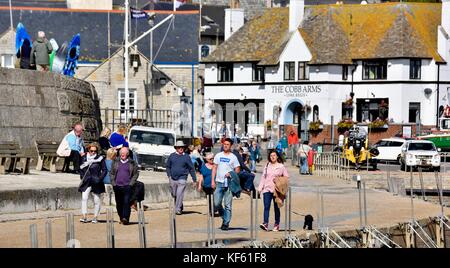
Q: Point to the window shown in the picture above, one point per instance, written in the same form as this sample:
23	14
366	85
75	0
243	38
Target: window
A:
258	72
345	72
225	72
156	138
315	113
7	61
205	51
371	109
303	71
415	69
131	101
414	112
289	70
374	70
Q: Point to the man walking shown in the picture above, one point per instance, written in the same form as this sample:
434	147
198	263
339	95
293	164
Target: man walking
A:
124	174
40	53
224	162
178	166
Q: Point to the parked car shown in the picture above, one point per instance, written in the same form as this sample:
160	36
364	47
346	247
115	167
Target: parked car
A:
153	146
389	149
420	153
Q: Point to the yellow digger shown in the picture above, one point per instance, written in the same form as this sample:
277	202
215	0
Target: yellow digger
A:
356	149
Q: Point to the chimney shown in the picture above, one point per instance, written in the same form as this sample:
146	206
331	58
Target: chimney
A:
296	12
446	15
234	20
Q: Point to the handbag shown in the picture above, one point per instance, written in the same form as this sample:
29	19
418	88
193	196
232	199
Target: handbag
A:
63	148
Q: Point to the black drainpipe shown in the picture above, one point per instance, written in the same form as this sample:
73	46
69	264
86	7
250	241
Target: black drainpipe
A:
437	96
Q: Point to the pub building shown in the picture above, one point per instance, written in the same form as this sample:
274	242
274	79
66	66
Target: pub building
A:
383	66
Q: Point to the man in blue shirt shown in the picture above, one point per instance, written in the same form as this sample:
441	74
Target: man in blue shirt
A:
178	167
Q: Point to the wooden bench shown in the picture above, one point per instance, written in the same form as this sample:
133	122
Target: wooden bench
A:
46	153
11	151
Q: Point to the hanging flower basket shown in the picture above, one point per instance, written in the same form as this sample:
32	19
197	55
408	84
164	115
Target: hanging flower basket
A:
379	124
316	126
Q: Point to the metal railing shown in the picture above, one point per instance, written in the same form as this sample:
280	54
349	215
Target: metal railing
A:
146	117
332	165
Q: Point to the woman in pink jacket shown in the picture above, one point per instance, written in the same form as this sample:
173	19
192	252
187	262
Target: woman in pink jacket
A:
274	168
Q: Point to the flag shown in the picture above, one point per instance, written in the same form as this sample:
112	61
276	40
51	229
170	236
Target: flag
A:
138	13
179	3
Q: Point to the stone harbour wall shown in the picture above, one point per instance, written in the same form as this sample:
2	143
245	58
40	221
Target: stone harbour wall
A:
44	106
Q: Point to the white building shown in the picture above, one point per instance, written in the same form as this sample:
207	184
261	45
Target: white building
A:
388	61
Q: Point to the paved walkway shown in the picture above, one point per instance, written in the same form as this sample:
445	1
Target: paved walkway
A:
340	199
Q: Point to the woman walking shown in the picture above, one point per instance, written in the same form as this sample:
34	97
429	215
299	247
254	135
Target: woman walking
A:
92	172
274	169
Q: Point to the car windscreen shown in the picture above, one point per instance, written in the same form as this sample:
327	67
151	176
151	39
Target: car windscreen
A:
421	146
157	138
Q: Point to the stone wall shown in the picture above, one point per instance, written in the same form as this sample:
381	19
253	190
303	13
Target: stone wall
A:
44	106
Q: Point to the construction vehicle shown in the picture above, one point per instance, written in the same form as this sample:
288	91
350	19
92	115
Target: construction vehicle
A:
356	149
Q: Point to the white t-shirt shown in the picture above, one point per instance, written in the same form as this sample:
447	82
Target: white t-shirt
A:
225	164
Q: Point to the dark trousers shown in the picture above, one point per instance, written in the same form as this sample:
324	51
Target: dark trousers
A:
123	195
74	157
268	197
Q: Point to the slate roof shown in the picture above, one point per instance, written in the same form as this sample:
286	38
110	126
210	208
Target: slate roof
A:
338	34
180	46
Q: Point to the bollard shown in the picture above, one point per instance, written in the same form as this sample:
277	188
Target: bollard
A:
70	230
110	241
256	216
141	226
322	210
412	194
252	223
290	209
421	184
365	204
48	233
34	235
213	233
360	206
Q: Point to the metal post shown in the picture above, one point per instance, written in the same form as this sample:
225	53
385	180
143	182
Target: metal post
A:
110	228
256	216
322	210
412	194
142	228
360	205
421	184
290	209
34	235
365	204
48	233
252	223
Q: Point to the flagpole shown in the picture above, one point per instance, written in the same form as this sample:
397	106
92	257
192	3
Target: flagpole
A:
11	15
127	94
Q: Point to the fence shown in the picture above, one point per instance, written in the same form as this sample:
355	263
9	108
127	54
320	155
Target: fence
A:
146	117
332	165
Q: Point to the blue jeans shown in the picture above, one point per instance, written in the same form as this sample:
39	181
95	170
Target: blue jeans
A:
268	197
253	165
303	165
223	193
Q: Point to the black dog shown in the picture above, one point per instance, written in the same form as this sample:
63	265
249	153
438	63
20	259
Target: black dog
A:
308	222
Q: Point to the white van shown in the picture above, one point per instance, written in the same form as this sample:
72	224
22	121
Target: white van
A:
152	146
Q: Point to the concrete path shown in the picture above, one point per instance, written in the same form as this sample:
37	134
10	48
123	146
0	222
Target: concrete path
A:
341	213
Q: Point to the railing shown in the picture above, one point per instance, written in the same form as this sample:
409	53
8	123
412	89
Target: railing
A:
332	165
145	117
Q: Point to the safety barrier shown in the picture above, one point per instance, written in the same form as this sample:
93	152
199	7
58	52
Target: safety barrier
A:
332	165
